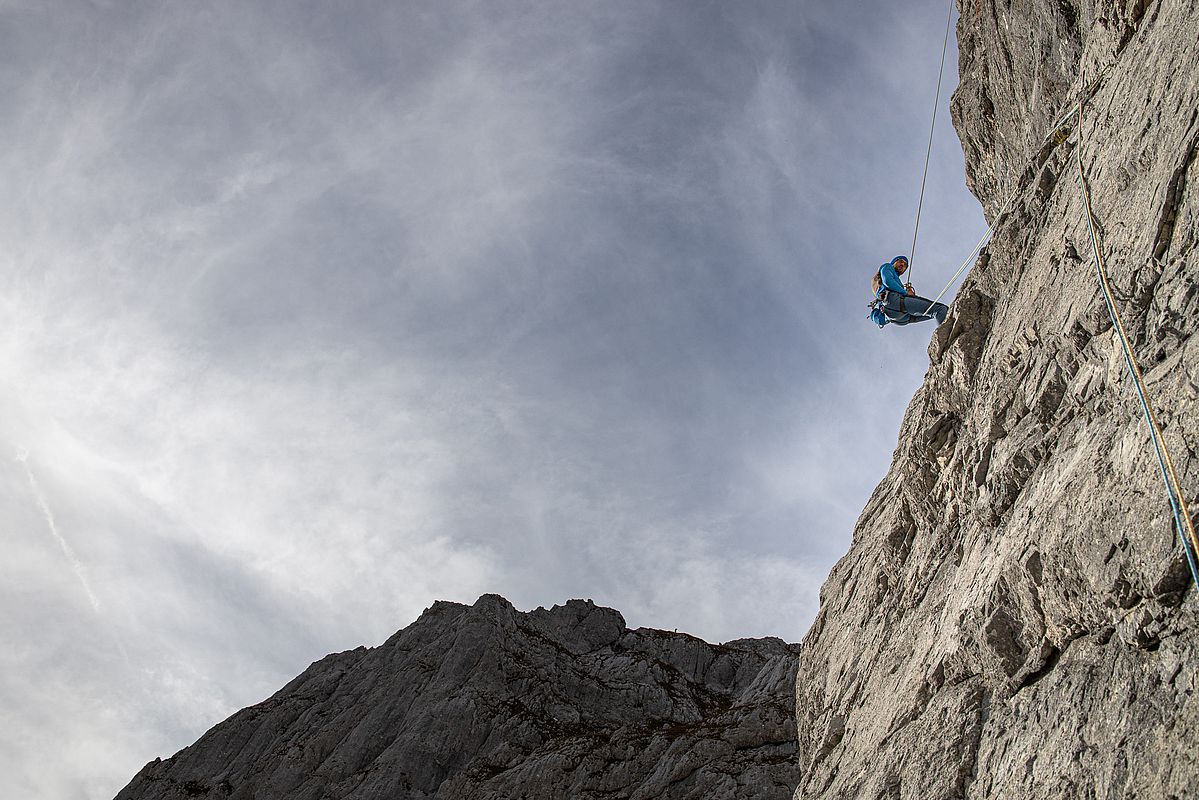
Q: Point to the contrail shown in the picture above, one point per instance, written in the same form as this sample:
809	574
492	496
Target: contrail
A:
23	458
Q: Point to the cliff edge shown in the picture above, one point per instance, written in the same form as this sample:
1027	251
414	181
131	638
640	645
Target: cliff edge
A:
1015	617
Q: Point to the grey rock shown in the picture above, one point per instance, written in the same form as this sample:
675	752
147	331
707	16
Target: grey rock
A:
484	701
1014	618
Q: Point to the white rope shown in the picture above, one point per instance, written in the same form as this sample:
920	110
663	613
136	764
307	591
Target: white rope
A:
1054	129
931	128
970	258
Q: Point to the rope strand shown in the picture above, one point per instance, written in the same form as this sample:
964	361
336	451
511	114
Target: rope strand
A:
1178	506
1054	130
970	258
931	128
1182	516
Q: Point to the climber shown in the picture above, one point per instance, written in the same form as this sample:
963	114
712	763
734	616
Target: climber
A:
896	303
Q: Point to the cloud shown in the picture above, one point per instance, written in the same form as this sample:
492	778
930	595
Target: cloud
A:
314	318
68	553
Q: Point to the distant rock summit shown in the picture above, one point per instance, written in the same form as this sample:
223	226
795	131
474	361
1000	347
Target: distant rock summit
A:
485	701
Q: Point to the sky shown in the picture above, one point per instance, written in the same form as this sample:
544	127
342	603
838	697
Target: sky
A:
315	313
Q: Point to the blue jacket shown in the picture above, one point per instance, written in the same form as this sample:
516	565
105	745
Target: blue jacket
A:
891	282
891	279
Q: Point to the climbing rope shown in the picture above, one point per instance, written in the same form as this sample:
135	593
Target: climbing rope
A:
970	258
1182	516
1057	135
1178	505
932	127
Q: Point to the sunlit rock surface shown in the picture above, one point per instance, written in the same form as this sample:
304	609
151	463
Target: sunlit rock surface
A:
484	701
1015	618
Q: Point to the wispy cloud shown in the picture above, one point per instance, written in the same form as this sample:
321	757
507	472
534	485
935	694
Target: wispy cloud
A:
314	318
52	526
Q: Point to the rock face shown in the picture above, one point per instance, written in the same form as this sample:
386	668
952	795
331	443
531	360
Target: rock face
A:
488	702
1015	617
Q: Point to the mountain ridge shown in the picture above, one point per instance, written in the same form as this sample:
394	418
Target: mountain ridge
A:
487	701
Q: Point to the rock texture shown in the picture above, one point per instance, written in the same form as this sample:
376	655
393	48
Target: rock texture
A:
488	702
1015	618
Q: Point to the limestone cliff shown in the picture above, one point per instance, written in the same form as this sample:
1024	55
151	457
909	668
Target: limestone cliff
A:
488	702
1015	618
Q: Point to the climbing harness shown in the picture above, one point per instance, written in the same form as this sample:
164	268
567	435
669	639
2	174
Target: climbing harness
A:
884	295
1182	516
932	127
881	308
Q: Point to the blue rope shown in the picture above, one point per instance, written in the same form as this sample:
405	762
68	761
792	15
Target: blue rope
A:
1177	504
